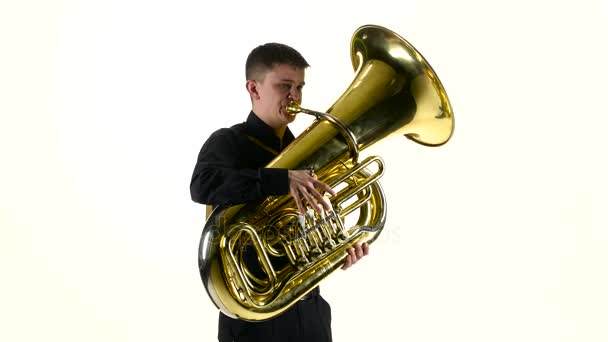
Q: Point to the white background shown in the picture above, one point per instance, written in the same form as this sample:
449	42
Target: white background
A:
500	235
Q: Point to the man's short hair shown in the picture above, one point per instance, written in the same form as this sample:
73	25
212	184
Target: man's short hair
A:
265	57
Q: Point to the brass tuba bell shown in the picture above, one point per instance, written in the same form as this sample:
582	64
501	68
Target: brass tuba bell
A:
395	92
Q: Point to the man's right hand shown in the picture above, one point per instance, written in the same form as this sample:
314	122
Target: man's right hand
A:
303	185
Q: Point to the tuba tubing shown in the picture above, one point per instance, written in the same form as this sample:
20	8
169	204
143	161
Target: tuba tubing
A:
394	92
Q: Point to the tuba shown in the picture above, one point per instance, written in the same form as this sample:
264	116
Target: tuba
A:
394	92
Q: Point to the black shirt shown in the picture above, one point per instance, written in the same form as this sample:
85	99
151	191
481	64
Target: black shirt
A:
230	170
230	166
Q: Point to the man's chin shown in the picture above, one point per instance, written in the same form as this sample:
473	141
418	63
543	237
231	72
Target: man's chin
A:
288	118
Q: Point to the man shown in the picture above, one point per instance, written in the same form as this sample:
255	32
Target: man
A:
230	170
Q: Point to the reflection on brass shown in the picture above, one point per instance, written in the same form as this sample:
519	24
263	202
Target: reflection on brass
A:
394	92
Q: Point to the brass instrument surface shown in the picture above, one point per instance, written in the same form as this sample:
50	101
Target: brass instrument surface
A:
394	92
276	230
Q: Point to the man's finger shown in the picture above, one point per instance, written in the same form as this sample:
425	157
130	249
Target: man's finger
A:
358	251
365	248
325	187
299	204
353	256
347	262
318	197
310	200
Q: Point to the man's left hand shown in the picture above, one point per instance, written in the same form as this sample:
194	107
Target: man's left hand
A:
355	254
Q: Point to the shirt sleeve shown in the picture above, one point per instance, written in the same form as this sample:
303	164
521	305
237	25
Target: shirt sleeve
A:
217	179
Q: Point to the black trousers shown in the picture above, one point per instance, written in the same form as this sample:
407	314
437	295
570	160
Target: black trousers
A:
308	320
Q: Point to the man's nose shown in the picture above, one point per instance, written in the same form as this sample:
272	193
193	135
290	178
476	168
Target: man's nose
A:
295	94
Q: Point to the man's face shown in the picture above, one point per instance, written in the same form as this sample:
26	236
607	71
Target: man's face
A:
279	86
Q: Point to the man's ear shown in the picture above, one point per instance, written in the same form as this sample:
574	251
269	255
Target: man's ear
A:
252	89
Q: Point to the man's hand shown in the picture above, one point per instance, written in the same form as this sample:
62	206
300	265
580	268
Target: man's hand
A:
303	184
355	253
